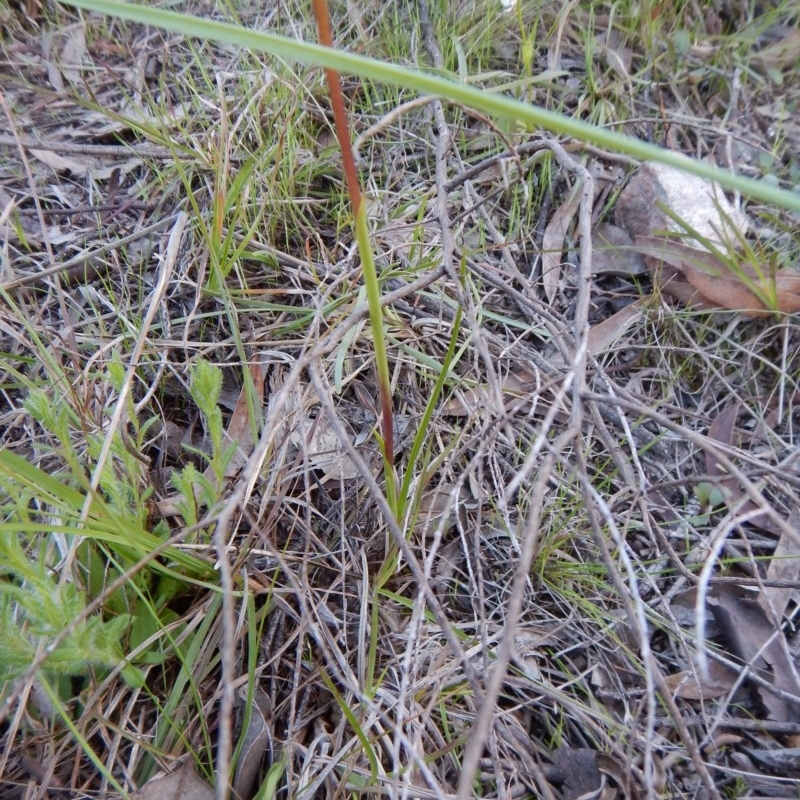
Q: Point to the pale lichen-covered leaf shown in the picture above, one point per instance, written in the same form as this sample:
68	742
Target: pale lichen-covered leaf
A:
99	169
696	201
72	54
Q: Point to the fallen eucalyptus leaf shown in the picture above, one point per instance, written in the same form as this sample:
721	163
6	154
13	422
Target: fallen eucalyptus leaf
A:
183	784
753	639
737	288
256	743
553	241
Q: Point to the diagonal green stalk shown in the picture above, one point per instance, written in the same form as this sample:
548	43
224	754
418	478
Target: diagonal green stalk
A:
529	115
404	499
381	360
365	250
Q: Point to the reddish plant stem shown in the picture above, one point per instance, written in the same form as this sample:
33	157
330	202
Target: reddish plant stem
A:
342	128
337	104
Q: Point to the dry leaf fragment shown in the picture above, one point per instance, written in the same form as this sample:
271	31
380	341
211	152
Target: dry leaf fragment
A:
689	685
182	784
784	567
753	639
620	773
436	503
256	744
618	57
314	437
741	290
320	445
613	253
72	55
605	333
553	241
98	169
722	430
784	53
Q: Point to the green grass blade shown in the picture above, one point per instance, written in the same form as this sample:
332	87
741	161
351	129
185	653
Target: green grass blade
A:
426	83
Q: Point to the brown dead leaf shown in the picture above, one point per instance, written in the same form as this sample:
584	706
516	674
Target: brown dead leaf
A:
689	685
784	53
553	241
741	291
182	784
239	428
784	567
722	429
605	333
433	505
618	57
256	744
754	640
613	253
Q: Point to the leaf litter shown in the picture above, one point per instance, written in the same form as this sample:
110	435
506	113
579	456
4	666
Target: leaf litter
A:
673	400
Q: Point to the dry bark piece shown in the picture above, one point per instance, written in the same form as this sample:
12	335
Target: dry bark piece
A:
784	761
